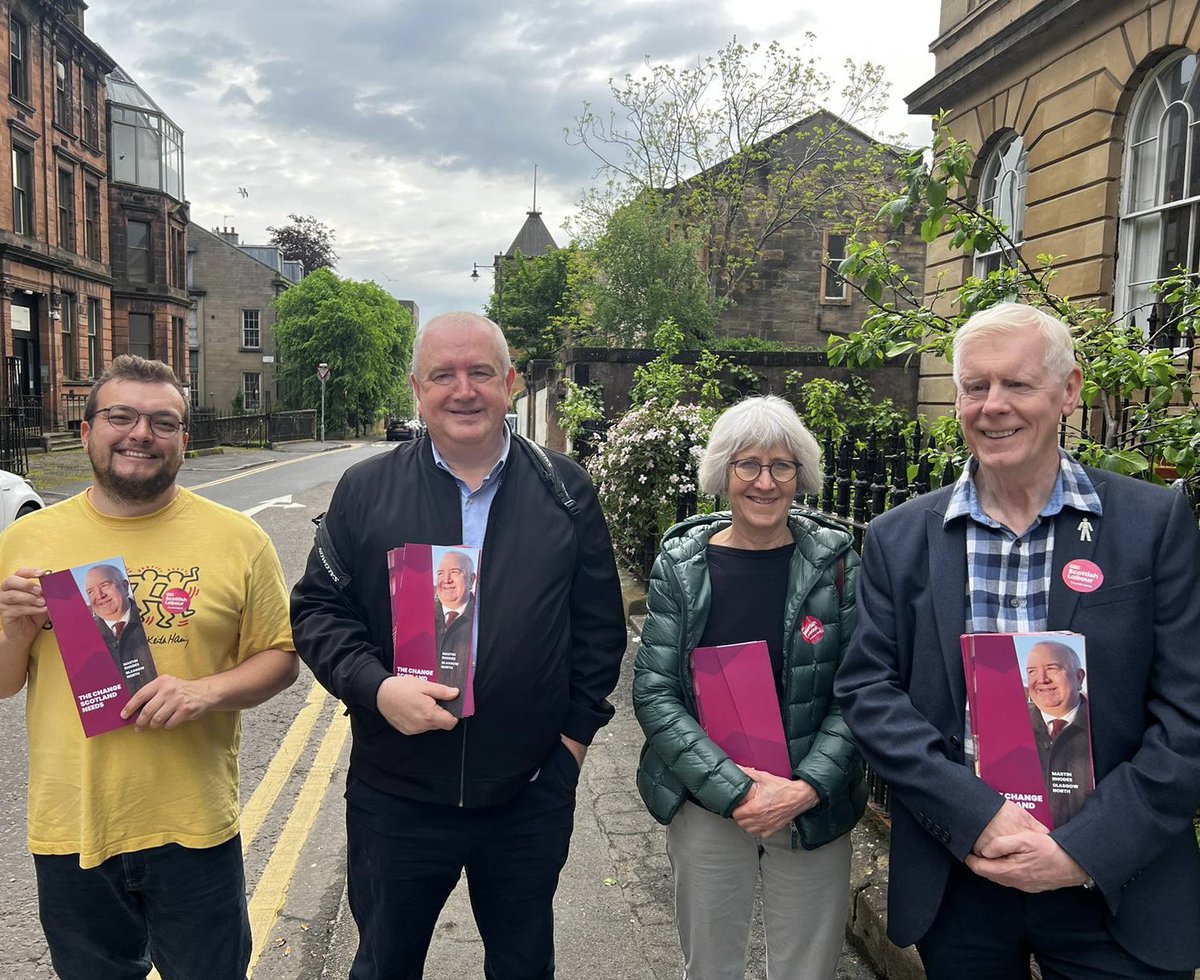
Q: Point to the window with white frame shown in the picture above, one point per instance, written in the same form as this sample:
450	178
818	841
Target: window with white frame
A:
834	289
1160	195
251	390
18	59
251	337
70	347
1002	193
95	313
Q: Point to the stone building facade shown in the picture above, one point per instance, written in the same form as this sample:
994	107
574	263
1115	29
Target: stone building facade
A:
233	289
793	298
1086	115
54	252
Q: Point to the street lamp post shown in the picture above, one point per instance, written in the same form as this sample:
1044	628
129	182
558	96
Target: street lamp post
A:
323	376
498	273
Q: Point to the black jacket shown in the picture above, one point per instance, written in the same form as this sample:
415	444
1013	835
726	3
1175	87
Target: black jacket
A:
551	625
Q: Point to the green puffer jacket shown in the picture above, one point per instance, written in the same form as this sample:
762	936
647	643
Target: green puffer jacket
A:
678	759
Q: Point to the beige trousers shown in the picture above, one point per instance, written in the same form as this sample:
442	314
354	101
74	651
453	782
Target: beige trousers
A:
805	898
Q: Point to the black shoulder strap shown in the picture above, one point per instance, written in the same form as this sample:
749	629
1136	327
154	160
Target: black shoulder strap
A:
839	576
549	475
328	554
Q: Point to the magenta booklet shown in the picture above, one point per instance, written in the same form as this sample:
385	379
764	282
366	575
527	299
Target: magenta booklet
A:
435	617
101	638
738	707
1029	716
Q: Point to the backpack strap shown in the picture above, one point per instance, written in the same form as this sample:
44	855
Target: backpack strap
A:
839	577
328	554
548	474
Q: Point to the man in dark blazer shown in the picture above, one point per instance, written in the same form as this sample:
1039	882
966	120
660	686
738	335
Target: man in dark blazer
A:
119	625
1058	715
1029	540
454	615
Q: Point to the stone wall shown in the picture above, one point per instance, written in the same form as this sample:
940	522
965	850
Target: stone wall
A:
612	369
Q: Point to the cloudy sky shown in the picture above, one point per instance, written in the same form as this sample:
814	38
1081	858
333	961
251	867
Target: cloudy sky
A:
412	127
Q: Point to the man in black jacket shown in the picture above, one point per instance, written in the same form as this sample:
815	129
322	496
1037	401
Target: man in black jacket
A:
429	795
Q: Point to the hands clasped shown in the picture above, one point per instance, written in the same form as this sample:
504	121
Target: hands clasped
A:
1017	851
772	802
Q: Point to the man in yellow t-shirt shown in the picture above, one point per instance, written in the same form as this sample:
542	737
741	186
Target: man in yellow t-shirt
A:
134	833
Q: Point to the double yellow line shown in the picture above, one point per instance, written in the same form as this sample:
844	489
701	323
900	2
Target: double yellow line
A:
270	892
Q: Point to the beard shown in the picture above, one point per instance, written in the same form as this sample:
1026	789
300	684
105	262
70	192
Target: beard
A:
134	489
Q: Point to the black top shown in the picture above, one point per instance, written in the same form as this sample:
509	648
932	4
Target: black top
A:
749	597
551	631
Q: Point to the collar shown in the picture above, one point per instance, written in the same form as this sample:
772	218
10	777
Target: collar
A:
493	473
1072	488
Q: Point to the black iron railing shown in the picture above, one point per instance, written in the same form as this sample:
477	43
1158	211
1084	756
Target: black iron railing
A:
207	429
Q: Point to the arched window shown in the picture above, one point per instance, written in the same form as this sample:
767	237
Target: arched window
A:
1002	192
1160	198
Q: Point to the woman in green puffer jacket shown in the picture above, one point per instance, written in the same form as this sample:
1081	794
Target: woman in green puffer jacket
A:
763	571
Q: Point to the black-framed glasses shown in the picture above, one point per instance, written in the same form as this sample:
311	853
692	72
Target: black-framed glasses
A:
782	470
123	418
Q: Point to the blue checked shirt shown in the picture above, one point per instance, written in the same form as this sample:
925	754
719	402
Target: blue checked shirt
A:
1008	575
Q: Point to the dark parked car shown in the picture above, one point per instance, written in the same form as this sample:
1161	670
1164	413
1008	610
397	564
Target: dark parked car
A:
402	430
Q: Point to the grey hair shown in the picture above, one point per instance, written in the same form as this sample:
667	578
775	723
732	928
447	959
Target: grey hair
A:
1006	319
759	423
110	572
462	560
462	319
1064	650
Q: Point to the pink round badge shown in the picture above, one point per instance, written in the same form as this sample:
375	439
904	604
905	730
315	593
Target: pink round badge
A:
176	601
812	629
1081	575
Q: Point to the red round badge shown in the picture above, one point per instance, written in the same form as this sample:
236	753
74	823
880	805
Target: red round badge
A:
1081	575
176	601
812	629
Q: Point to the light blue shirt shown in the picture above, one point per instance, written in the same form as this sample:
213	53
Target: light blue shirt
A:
477	504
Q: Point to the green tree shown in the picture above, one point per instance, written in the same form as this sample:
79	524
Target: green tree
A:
364	335
307	241
541	301
743	145
646	273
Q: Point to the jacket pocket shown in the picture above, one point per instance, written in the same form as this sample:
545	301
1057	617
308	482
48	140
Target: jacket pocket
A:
1107	595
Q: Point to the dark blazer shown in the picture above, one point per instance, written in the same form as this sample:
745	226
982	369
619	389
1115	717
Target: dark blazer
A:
1070	752
901	687
130	648
454	640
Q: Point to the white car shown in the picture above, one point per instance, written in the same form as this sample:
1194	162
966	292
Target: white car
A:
17	498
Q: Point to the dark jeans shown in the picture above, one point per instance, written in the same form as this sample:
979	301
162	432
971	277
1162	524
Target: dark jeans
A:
987	932
182	908
404	859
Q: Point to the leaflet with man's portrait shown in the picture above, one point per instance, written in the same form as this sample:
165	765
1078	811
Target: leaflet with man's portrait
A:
1029	719
101	638
435	617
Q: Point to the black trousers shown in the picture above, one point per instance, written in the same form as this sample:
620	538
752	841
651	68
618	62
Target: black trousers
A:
404	859
988	932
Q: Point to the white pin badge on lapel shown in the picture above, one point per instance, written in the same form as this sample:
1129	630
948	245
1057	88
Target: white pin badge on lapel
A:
1085	530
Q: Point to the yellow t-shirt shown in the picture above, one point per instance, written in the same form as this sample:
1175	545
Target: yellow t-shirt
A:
226	600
